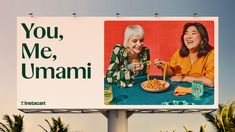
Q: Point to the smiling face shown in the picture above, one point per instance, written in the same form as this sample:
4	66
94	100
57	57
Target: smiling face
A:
192	39
134	38
135	44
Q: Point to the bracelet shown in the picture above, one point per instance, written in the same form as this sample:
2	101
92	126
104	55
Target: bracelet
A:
182	78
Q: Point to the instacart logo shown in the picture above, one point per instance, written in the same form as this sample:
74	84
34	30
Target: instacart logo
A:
33	103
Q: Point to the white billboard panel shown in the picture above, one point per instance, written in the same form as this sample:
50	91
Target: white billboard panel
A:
66	63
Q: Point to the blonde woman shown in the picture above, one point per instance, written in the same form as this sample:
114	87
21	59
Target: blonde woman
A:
128	60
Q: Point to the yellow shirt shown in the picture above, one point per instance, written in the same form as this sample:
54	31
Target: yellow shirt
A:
203	66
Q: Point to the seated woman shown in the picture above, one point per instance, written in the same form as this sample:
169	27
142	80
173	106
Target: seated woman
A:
128	60
194	60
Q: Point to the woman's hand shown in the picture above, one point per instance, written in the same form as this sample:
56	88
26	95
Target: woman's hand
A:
159	63
177	78
138	66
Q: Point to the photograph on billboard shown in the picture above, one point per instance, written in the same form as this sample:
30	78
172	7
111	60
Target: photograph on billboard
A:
117	62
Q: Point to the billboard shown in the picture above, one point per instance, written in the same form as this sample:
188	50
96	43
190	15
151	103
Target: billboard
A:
117	62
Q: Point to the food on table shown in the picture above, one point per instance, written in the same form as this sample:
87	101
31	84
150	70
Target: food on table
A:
154	84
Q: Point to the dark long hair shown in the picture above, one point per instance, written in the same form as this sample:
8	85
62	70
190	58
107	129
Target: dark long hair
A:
205	47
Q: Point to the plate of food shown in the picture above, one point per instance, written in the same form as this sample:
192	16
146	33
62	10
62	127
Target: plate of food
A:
155	85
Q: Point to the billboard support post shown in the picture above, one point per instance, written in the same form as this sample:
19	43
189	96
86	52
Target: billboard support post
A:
117	121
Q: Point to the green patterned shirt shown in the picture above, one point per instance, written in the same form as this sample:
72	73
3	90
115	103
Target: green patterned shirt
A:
117	70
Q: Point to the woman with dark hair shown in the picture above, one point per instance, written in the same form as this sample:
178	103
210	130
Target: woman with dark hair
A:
194	60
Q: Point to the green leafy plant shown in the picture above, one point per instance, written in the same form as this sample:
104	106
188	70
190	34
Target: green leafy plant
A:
203	128
187	130
56	126
12	125
224	119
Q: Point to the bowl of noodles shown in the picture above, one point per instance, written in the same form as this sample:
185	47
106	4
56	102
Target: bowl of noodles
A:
155	85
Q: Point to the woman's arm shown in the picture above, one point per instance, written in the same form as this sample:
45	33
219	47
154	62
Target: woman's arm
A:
161	64
171	64
145	58
208	74
117	73
206	81
114	65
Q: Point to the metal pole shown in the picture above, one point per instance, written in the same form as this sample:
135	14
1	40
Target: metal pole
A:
117	121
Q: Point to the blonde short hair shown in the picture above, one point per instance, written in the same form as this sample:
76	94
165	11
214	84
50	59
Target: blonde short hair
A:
133	30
